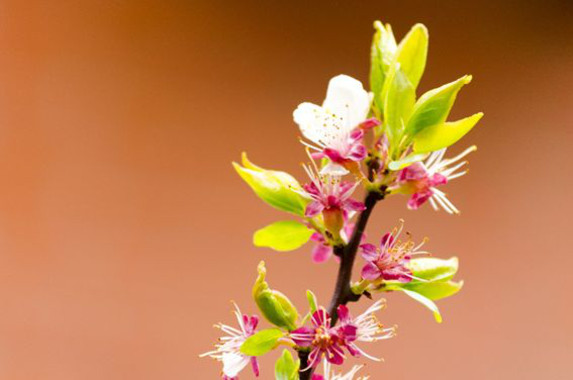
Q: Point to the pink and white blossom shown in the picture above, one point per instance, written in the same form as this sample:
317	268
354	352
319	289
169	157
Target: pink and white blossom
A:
228	351
421	180
364	328
335	129
322	339
389	260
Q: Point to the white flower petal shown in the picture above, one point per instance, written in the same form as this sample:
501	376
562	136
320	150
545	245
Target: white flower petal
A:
333	169
316	124
347	98
234	363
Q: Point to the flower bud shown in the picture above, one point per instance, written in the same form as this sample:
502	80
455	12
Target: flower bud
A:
274	305
278	189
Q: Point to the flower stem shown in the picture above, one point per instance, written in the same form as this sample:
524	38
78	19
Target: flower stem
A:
347	253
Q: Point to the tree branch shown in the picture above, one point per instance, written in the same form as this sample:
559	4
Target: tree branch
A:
347	253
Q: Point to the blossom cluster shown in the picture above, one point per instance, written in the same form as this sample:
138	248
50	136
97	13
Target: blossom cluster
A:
378	143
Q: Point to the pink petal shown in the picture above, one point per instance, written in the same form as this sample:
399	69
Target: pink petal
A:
313	209
321	253
303	336
370	123
334	155
335	355
343	314
353	205
370	272
369	251
321	318
438	179
418	199
387	240
255	365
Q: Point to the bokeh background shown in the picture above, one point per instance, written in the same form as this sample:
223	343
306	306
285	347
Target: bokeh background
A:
124	232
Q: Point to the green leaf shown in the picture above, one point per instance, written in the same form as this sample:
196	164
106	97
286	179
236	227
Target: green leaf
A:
286	235
312	304
398	104
406	161
286	368
445	134
426	302
261	342
382	55
412	53
274	305
434	106
435	290
433	269
278	189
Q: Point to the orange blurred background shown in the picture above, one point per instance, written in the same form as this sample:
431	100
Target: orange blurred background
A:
124	231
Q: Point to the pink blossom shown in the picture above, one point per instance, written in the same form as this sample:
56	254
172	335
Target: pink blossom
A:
389	261
364	328
322	339
422	180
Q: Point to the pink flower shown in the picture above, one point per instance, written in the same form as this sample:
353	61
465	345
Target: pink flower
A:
388	262
335	129
228	350
421	180
322	338
364	328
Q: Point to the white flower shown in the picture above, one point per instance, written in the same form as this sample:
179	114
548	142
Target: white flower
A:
228	351
332	127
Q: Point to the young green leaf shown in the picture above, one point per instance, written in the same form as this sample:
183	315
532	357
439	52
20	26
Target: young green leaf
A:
261	342
398	104
433	269
434	106
445	134
435	290
382	55
286	368
286	235
274	305
412	53
276	188
426	302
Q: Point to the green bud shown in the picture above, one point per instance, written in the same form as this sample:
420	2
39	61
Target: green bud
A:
278	189
261	342
286	235
274	305
286	368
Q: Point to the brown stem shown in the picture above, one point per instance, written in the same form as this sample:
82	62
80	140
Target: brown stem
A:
342	292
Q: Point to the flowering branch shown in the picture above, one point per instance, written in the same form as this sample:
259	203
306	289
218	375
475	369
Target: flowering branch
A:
405	156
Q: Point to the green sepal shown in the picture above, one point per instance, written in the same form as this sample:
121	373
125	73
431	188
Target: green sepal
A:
434	106
274	305
278	189
435	290
445	134
261	342
286	235
312	304
406	161
286	368
426	302
412	53
381	58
